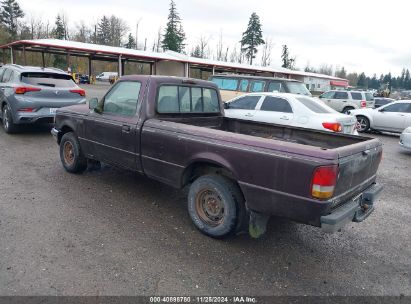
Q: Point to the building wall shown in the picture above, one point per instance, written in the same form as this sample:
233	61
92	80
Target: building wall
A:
315	84
170	68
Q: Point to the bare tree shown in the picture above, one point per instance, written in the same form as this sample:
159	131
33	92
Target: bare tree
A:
219	53
267	49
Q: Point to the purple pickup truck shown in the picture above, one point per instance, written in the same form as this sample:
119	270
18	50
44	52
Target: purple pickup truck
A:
239	173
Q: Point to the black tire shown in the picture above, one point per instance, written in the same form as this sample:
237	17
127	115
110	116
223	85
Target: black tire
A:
216	206
346	109
71	155
363	124
7	120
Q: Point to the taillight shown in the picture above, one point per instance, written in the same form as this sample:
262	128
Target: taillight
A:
363	103
333	126
79	91
323	181
23	90
26	110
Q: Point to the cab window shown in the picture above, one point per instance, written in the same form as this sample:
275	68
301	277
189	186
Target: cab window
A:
123	98
173	99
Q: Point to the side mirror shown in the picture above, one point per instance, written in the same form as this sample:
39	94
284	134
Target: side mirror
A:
321	96
381	110
92	103
226	105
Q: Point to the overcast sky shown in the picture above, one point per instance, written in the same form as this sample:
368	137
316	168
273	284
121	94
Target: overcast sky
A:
370	36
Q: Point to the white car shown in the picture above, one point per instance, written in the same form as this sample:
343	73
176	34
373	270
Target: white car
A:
290	110
393	117
105	76
405	139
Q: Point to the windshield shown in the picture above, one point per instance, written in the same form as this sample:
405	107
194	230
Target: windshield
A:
314	105
298	88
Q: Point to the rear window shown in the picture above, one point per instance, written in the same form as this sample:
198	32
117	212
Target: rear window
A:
229	84
356	95
314	106
369	97
244	103
183	99
48	80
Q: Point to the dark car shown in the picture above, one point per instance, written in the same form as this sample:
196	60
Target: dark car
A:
82	79
382	101
32	94
238	172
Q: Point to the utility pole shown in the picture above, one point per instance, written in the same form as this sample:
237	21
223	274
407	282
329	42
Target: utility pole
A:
138	22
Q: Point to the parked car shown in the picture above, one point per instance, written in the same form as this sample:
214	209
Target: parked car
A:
291	110
393	117
83	79
239	172
232	86
405	139
344	101
382	101
32	94
105	76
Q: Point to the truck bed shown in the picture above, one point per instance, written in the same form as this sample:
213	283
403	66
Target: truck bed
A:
320	139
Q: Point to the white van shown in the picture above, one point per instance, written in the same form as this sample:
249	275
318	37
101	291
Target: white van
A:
105	76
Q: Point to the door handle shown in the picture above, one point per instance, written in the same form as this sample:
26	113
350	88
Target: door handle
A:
248	115
284	118
344	101
126	129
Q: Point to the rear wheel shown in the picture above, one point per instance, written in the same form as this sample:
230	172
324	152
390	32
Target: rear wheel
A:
71	155
363	123
8	125
346	109
216	206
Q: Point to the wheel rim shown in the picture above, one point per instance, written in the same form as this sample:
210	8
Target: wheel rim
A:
210	207
5	119
362	123
68	153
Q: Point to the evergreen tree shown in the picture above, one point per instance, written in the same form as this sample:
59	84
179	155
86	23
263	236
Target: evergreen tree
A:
288	63
103	31
407	80
131	43
362	81
59	31
10	12
174	36
341	73
196	52
252	38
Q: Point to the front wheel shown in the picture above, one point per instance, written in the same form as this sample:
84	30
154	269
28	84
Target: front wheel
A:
71	155
216	206
363	123
8	125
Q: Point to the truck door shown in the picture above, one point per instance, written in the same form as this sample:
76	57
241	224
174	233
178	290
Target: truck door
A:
113	133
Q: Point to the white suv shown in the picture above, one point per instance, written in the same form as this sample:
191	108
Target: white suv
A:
344	101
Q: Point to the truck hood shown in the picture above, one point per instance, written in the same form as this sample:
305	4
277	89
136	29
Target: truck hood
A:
81	109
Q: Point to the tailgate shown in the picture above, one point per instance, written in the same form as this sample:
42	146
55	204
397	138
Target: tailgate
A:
357	170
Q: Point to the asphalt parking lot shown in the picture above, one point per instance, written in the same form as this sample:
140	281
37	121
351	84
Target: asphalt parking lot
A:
112	232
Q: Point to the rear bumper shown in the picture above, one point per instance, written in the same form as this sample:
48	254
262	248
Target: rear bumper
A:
357	210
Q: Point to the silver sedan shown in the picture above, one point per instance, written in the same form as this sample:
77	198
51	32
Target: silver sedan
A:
393	117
